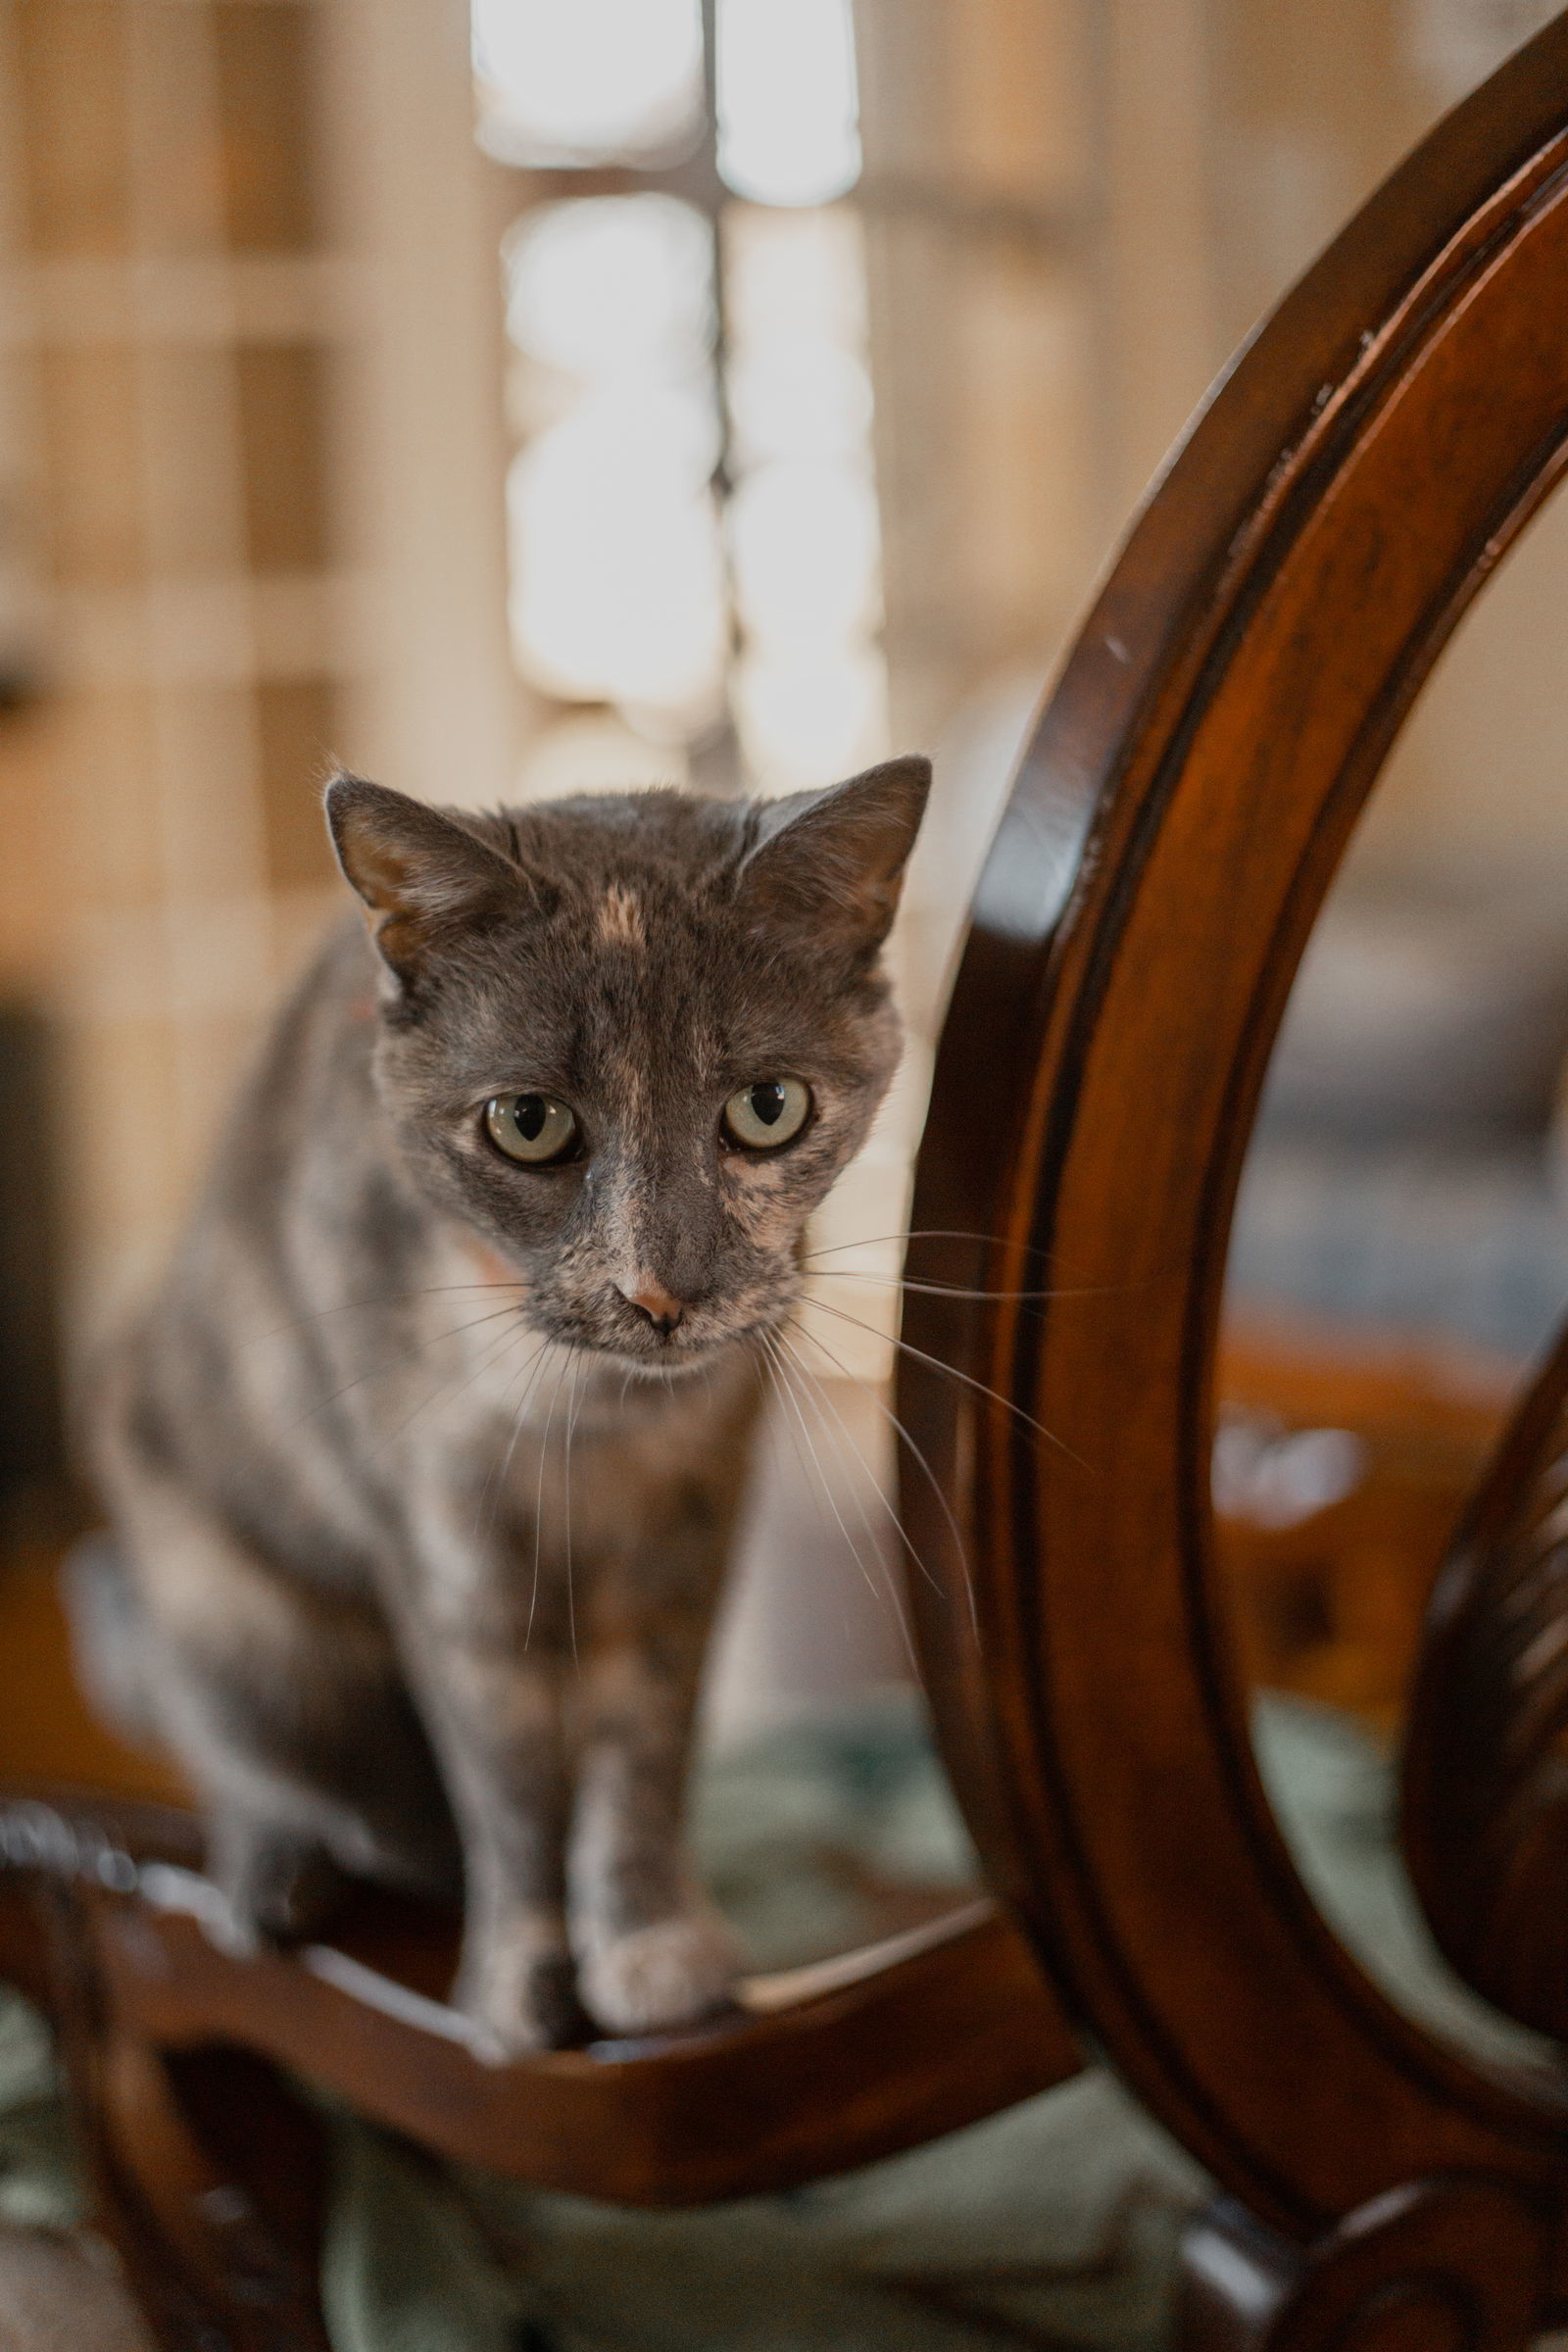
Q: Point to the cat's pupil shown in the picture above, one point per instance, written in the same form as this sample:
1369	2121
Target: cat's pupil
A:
529	1117
768	1100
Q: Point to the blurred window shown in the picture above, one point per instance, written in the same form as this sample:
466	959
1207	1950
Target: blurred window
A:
693	522
789	115
596	80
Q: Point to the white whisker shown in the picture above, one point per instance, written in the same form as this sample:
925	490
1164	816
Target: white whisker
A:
391	1364
352	1307
539	1497
929	1232
571	1425
855	1549
824	1402
932	1480
919	1356
446	1391
496	1483
774	1378
950	1290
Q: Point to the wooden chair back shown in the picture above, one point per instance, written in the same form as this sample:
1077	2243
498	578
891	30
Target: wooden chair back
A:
1229	703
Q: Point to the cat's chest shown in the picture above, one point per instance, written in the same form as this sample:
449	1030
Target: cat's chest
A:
578	1448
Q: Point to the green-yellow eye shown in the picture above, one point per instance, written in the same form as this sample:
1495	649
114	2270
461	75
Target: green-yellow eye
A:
767	1113
530	1127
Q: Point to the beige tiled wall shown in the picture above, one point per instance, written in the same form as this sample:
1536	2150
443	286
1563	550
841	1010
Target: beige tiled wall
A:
175	315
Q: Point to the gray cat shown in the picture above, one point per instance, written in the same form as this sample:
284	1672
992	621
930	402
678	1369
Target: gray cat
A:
425	1459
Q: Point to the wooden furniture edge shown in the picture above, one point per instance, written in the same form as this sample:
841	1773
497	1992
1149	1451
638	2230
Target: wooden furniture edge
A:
836	2064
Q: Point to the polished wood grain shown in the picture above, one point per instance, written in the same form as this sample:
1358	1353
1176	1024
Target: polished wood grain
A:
1486	1758
1346	493
813	2077
931	2029
1433	2266
206	2171
203	2170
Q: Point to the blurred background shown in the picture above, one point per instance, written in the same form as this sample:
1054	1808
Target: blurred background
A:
639	391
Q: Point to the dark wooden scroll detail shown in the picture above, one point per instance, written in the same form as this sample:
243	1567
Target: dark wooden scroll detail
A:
1485	1762
202	2169
1333	511
1450	2265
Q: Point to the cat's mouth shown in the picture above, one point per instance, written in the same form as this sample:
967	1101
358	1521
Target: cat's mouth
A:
673	1355
653	1353
667	1365
679	1349
661	1364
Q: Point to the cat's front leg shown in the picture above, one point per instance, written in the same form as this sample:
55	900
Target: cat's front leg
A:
653	1951
494	1719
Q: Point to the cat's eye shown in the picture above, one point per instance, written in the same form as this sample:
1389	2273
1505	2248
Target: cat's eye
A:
530	1127
767	1113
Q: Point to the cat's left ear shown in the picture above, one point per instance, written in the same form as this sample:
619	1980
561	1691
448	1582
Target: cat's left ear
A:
417	869
838	856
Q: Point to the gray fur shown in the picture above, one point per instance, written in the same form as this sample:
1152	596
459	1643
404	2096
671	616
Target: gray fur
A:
422	1520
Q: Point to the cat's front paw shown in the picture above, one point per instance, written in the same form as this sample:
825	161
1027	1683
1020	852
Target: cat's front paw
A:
518	1991
669	1974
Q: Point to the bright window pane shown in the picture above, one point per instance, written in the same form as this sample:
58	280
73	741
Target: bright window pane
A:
788	113
580	81
616	567
805	550
618	585
611	282
798	395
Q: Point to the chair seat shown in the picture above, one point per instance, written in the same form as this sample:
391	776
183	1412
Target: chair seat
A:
1055	2223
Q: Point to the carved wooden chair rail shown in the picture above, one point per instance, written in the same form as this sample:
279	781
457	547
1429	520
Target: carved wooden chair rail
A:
1347	492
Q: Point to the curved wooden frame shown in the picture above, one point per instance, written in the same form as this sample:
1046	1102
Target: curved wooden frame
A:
1229	702
1228	706
1486	1798
930	2030
208	2174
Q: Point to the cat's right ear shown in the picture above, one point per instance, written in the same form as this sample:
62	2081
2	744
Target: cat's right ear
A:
417	870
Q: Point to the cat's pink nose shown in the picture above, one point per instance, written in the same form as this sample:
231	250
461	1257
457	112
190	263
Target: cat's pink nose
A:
662	1307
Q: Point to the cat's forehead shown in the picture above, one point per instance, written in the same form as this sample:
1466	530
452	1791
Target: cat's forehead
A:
628	968
645	885
638	947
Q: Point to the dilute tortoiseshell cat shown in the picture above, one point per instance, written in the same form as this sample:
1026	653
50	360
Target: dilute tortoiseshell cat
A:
426	1458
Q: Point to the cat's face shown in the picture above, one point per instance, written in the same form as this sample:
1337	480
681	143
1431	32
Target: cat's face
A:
630	1042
